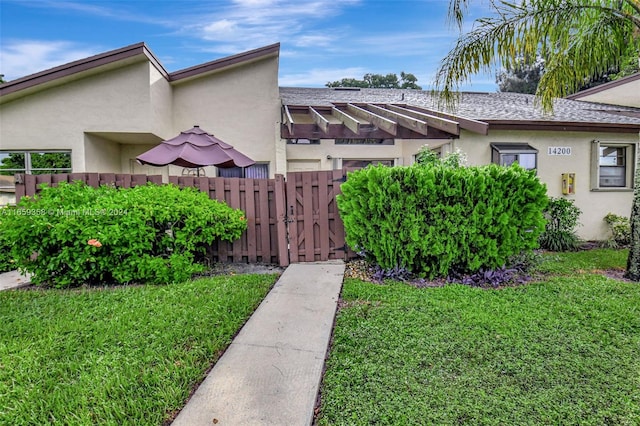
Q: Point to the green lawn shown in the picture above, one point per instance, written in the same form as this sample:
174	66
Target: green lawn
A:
562	351
117	356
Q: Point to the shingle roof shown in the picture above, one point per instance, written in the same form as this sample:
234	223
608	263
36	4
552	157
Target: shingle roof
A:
500	108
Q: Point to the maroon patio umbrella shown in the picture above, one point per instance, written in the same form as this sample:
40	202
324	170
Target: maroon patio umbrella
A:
195	148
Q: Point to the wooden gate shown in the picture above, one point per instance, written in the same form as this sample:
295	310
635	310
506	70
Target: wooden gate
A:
316	232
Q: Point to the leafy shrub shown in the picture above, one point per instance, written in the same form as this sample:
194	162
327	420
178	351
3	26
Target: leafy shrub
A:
435	219
426	156
6	259
74	234
562	219
620	231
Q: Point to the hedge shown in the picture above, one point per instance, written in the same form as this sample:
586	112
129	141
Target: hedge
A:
434	220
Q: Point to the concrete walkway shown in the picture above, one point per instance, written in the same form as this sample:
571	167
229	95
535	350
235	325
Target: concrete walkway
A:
12	279
271	372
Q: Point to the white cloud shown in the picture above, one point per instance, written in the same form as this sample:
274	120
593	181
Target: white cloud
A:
249	24
19	58
320	77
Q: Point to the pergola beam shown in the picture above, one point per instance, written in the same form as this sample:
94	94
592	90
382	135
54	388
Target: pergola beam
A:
288	120
385	124
470	124
350	122
322	122
409	122
440	123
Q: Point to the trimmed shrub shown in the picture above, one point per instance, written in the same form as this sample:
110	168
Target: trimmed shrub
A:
75	234
6	259
562	219
433	220
620	231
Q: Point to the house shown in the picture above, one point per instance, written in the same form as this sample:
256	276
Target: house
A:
98	114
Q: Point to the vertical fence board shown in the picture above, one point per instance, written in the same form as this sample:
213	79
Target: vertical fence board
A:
324	182
307	214
281	220
250	216
264	220
338	226
292	216
234	202
31	187
93	179
20	186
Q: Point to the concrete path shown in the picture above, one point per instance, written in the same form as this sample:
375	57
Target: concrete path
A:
271	372
12	279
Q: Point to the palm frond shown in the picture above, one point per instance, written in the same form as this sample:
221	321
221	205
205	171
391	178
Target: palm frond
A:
579	38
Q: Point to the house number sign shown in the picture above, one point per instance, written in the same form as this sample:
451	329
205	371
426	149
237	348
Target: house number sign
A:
559	150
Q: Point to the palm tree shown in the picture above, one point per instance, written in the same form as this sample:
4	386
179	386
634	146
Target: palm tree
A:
579	39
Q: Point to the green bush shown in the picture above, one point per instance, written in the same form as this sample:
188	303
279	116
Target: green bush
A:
620	231
562	219
6	259
433	220
74	234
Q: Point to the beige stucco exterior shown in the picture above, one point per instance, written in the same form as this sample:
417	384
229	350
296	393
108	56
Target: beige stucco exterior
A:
625	91
108	118
595	204
109	114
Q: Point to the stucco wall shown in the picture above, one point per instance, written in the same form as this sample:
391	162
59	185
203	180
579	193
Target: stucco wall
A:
240	106
316	155
101	155
594	204
627	94
57	118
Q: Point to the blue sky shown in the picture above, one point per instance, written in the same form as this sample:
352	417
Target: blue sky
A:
321	40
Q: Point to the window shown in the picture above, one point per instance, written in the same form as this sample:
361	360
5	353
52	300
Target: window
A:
257	171
612	165
31	162
505	154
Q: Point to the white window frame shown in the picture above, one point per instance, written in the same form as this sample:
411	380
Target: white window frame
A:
630	149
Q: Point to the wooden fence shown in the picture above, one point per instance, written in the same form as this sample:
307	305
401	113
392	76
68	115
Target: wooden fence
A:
314	226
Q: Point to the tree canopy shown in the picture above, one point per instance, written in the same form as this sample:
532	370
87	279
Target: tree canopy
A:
523	78
526	75
379	81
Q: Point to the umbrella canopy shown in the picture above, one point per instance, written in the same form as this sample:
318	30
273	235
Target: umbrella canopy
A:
195	148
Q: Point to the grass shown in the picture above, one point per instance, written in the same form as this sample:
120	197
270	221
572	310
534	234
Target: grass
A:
117	356
562	351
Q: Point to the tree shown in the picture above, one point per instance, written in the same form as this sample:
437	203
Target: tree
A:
579	39
523	78
379	81
526	75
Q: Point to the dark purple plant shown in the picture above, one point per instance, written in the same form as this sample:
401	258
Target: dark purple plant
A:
491	277
397	274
